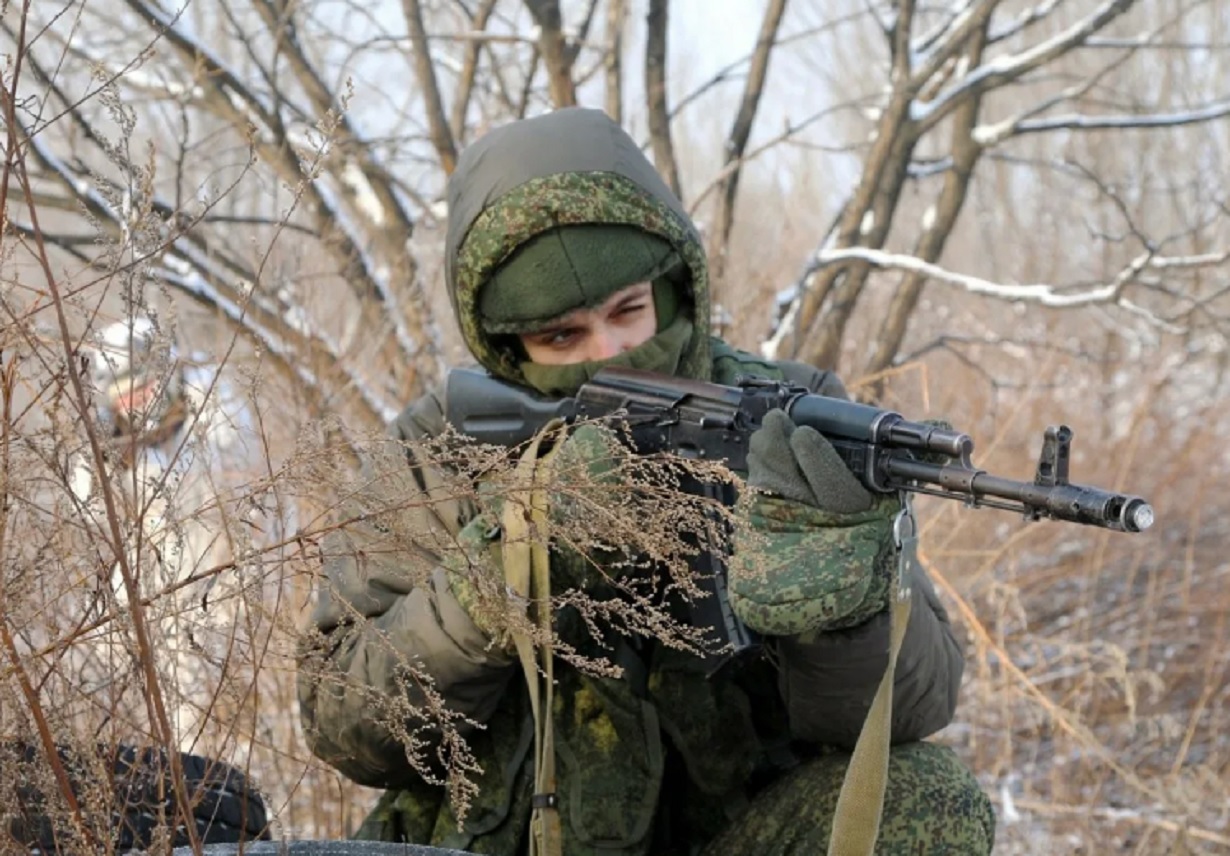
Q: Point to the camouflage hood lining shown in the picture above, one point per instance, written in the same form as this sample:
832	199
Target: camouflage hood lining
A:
560	200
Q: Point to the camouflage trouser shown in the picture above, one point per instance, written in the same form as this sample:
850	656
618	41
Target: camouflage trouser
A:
933	806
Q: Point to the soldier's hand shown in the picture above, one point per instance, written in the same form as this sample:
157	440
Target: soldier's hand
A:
814	549
797	463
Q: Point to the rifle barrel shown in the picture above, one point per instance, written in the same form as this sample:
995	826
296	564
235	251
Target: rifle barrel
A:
1072	502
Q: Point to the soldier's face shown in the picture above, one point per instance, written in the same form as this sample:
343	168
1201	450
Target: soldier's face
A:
133	397
134	401
623	321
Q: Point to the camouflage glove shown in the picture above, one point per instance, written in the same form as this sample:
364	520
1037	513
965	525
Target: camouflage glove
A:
799	464
814	549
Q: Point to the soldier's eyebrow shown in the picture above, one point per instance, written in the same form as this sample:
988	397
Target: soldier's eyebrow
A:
627	295
575	318
564	322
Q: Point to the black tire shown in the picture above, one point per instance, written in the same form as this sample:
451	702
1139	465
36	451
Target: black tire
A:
226	809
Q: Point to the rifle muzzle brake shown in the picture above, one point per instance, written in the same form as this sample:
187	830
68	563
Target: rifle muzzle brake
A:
1137	515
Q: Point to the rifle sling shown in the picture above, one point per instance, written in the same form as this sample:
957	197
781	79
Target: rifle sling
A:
527	573
860	805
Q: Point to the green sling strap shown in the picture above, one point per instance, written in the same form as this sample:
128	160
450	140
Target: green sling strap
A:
860	805
527	572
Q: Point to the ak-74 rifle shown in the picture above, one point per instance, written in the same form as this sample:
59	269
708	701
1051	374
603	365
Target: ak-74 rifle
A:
696	419
886	452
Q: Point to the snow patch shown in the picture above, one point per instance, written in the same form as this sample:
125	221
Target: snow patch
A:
365	198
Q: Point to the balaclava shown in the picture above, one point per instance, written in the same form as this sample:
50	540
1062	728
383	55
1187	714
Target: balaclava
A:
576	267
557	212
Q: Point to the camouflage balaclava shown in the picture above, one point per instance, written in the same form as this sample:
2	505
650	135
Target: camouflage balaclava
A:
515	200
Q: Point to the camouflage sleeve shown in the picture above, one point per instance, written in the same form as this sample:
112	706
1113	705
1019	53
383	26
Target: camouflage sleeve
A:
828	679
391	658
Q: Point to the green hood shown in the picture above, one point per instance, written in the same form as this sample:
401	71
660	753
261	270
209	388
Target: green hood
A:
572	166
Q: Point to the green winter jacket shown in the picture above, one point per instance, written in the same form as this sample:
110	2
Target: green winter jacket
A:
660	755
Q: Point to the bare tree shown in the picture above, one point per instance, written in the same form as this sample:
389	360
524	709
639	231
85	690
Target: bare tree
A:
442	132
555	51
613	60
947	72
655	93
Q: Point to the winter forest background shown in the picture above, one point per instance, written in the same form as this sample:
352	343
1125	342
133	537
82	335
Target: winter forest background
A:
1009	214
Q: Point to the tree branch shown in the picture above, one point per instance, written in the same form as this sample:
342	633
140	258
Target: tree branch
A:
1041	294
951	39
736	141
582	34
1006	69
655	94
939	220
991	134
556	55
1025	19
441	133
469	69
865	219
613	59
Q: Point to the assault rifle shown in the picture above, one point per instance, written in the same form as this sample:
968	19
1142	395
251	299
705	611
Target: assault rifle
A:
695	419
886	452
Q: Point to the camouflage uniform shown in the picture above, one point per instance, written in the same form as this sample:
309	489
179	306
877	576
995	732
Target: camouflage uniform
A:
662	760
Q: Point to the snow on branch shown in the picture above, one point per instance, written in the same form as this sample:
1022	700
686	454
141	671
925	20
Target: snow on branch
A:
1023	21
82	189
1031	121
184	277
1007	68
988	135
1188	262
1040	293
208	65
922	44
933	48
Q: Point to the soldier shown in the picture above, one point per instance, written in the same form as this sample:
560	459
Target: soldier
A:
566	252
167	438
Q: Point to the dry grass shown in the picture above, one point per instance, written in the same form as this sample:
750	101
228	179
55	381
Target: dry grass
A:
1097	698
1096	701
